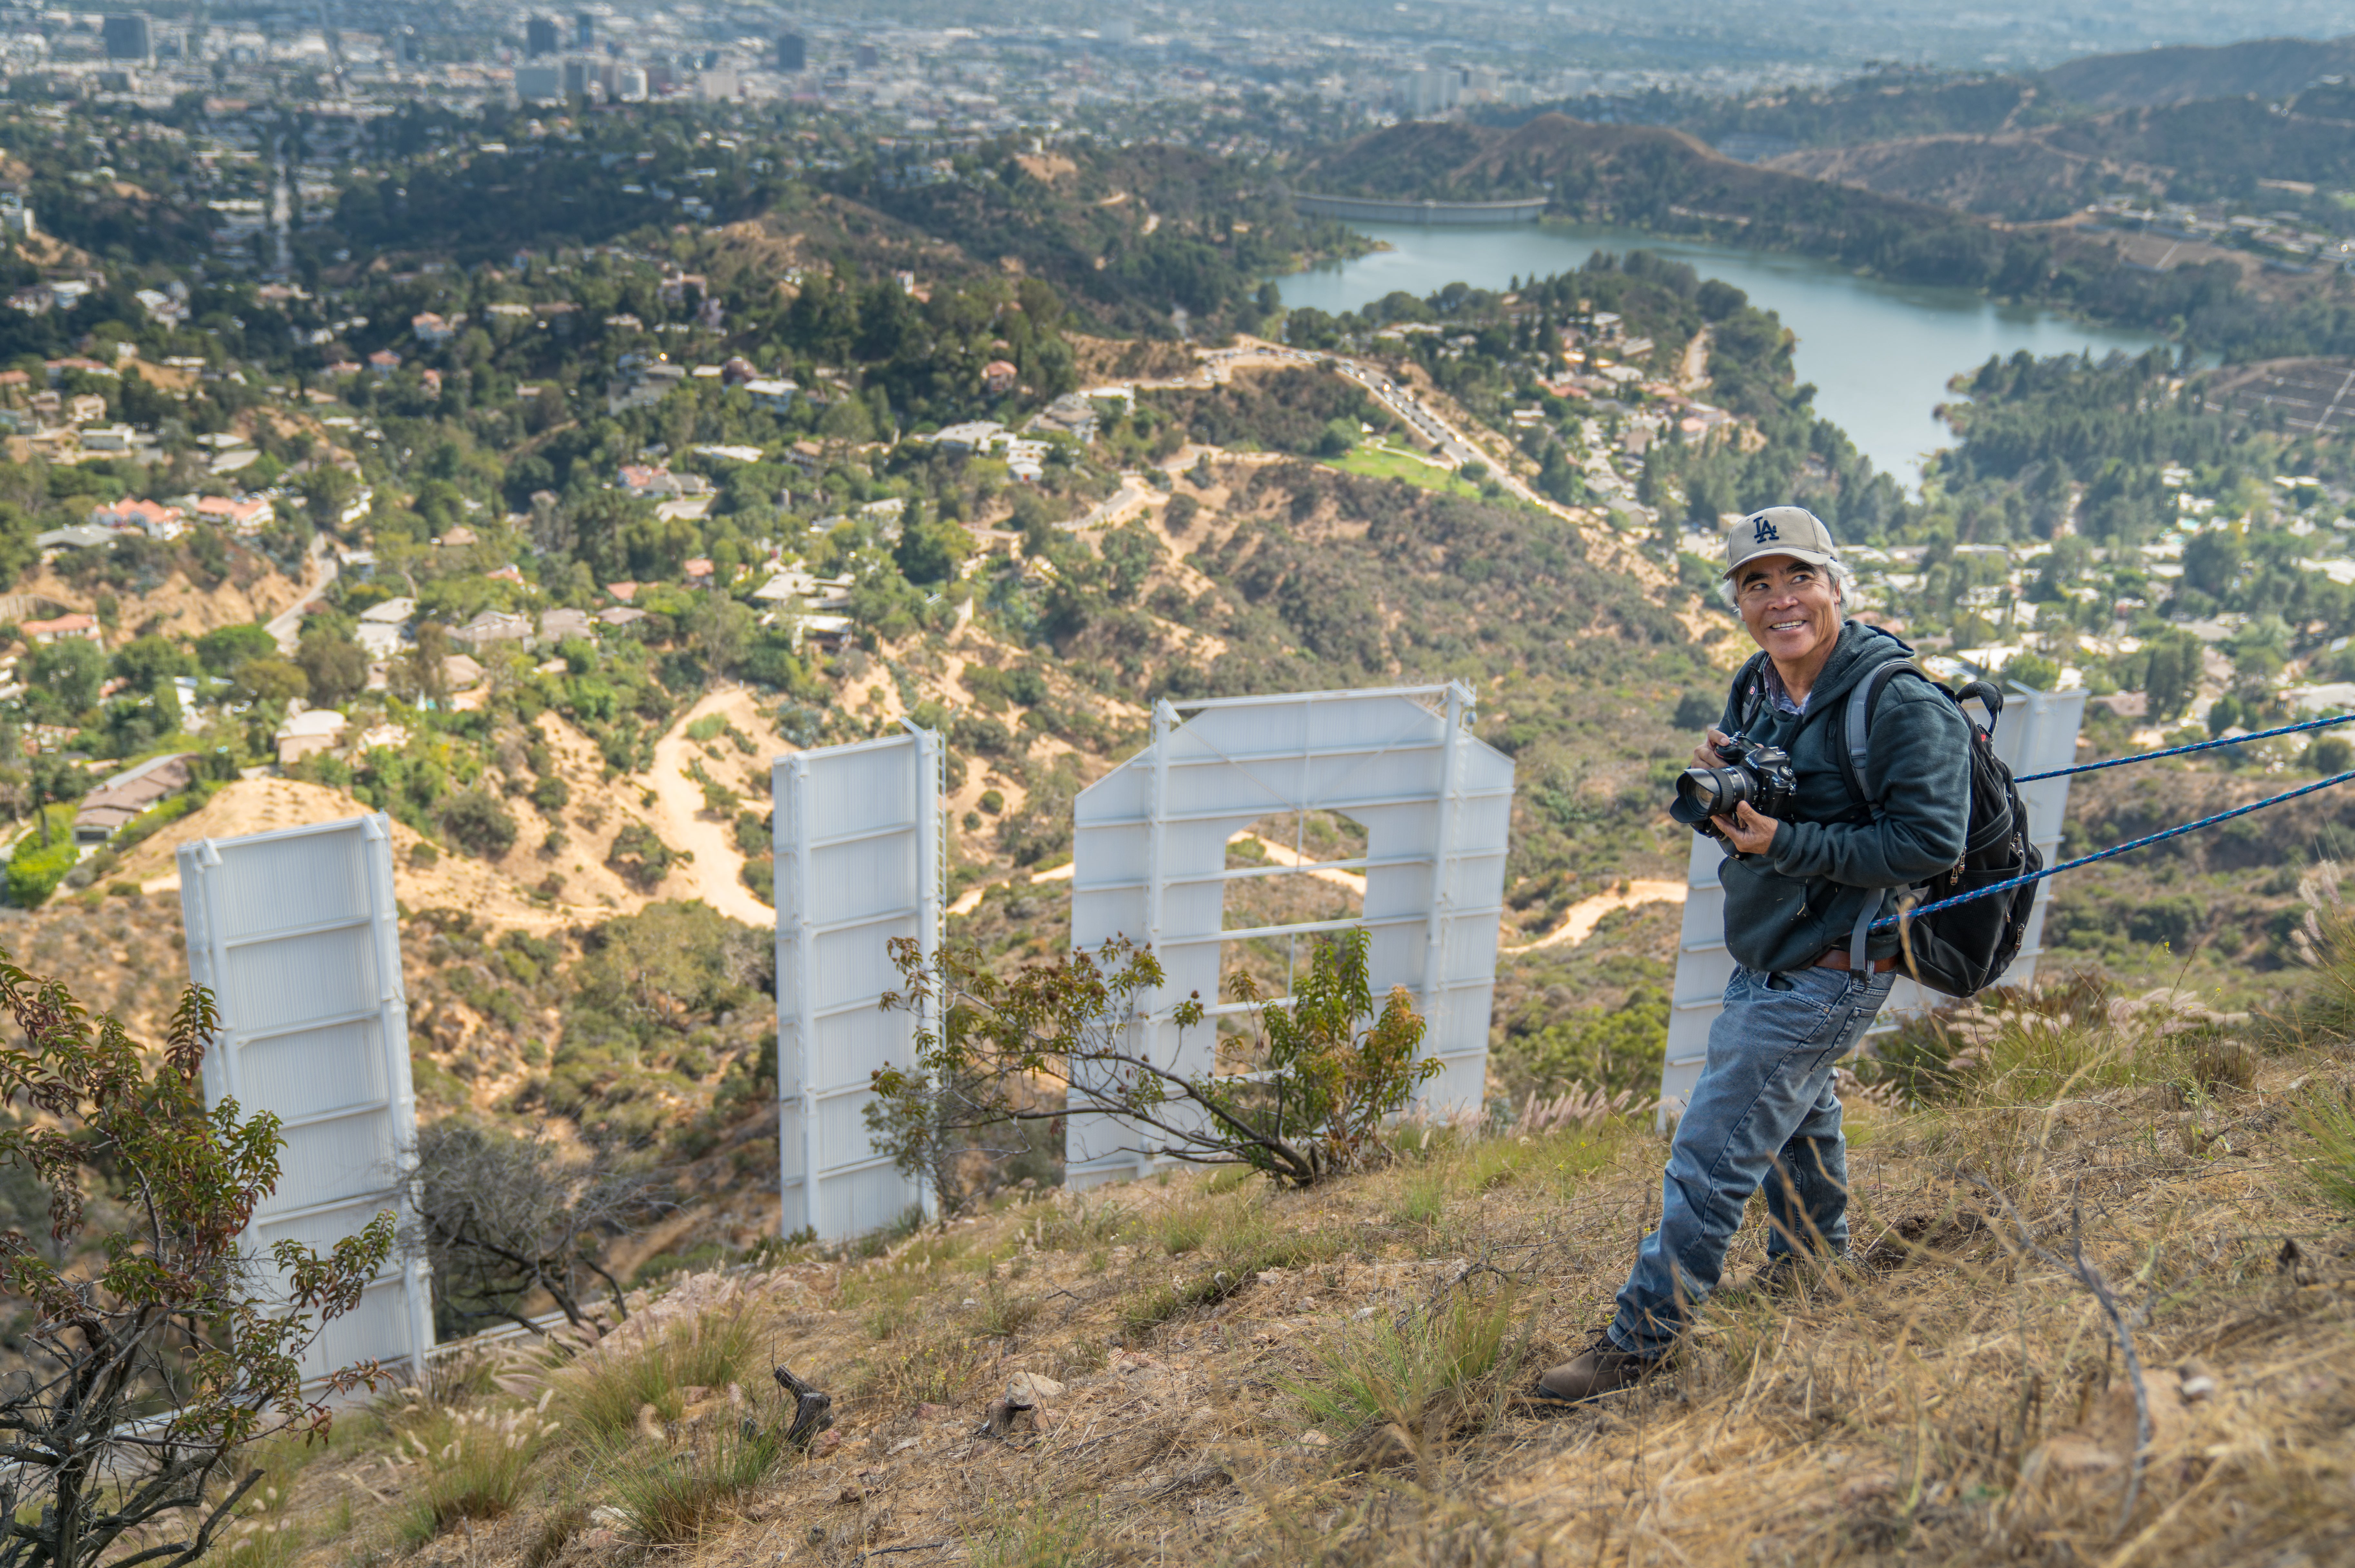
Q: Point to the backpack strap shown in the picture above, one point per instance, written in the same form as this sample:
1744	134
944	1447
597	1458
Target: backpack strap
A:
1862	698
1856	748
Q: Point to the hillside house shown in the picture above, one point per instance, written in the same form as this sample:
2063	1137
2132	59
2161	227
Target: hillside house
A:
493	627
773	393
620	615
642	386
998	378
807	457
65	627
972	436
460	674
122	800
383	363
556	625
308	732
1070	415
239	513
430	329
659	483
381	737
814	591
151	518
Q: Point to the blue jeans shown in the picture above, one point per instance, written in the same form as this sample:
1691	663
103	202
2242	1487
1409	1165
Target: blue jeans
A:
1763	1113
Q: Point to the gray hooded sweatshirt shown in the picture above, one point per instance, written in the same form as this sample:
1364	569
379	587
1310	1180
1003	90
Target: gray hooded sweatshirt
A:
1782	908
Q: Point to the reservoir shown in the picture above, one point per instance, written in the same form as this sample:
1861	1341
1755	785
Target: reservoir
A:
1879	354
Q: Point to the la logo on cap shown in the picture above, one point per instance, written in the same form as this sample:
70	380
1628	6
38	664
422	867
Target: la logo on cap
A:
1762	529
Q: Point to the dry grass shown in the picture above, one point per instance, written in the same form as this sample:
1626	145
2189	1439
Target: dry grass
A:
604	1393
474	1461
674	1496
1332	1377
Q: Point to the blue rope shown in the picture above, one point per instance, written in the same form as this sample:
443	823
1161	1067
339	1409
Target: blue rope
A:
1887	922
2186	750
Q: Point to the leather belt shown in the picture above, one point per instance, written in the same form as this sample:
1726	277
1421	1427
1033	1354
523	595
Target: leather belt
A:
1837	959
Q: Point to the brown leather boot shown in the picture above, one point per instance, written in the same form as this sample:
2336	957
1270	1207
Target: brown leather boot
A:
1602	1368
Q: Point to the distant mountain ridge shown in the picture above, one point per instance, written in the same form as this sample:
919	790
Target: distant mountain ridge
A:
2268	67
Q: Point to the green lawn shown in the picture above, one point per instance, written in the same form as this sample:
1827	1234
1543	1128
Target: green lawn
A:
1389	462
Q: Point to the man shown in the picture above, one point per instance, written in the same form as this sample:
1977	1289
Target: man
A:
1798	897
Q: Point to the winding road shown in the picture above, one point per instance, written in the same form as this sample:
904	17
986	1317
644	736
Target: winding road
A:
319	569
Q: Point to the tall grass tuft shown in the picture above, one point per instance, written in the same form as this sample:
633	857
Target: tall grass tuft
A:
672	1498
475	1464
1234	1240
1037	1537
1388	1371
2329	1165
606	1389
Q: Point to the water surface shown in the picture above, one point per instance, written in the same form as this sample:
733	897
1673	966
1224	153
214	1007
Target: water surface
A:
1879	354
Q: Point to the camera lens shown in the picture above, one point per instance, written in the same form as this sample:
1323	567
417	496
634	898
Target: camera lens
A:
1715	790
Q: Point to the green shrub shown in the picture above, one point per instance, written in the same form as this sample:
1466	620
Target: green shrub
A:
1618	1049
33	872
479	824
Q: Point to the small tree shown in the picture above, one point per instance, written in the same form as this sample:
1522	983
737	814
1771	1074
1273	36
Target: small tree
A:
152	1363
506	1221
1328	1072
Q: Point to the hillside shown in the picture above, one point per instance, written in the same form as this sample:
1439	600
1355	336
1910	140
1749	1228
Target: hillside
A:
1192	1370
1667	181
2187	151
2260	67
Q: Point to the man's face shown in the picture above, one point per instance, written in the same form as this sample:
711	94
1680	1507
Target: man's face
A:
1789	606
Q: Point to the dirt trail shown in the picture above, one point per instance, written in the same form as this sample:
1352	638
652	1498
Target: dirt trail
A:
1581	918
714	876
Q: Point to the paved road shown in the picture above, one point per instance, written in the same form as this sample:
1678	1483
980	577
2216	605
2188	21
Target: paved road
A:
319	569
1132	494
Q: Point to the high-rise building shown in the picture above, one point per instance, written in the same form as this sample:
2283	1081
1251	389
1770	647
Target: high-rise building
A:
793	52
539	84
1430	90
539	37
578	76
127	37
584	30
863	56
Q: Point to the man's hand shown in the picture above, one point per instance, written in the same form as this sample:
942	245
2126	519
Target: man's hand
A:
1746	830
1705	755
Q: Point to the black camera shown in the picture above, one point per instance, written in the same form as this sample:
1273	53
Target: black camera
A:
1759	774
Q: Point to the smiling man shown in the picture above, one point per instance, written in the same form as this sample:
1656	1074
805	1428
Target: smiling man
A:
1801	892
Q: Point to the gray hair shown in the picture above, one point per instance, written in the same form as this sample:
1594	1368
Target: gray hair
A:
1843	582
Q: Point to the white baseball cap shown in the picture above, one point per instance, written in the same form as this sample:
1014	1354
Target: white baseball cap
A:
1792	531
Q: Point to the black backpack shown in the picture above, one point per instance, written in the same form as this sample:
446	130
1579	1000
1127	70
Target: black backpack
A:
1961	950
